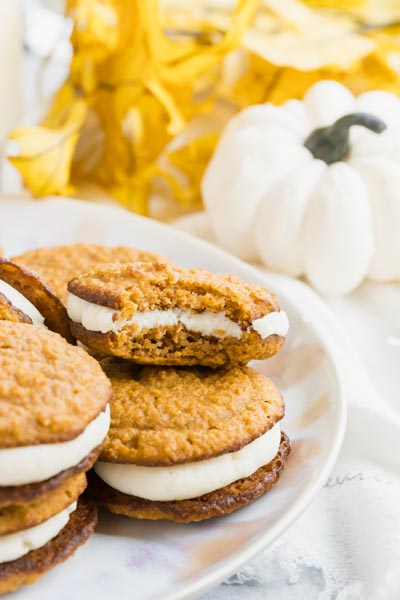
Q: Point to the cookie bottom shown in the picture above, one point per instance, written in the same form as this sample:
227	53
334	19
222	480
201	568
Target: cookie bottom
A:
215	504
179	347
35	564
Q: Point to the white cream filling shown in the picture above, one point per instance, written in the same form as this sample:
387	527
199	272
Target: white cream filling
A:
22	303
29	464
274	323
17	544
94	317
191	480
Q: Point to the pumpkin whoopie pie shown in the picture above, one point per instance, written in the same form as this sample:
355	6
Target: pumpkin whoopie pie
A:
187	444
25	298
65	532
58	265
53	419
161	314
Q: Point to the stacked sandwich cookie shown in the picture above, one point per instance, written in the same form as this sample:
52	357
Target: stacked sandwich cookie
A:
54	417
188	444
195	433
160	314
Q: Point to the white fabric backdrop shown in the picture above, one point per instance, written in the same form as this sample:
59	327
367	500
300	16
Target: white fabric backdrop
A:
346	546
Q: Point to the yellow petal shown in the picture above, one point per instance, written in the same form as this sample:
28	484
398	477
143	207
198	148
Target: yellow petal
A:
183	168
45	154
373	12
304	39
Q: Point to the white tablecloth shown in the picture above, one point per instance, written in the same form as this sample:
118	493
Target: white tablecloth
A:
346	546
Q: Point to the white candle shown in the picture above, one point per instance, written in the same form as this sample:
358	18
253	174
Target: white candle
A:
10	64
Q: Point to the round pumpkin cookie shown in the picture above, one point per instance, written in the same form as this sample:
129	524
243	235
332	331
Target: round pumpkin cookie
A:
53	411
160	314
51	543
163	416
57	266
181	434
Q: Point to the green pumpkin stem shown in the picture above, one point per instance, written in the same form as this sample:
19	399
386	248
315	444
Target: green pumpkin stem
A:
331	144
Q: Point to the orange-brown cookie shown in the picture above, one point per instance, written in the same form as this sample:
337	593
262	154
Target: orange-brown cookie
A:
50	391
53	419
57	266
188	443
168	416
18	517
36	292
22	495
35	564
214	504
158	314
9	312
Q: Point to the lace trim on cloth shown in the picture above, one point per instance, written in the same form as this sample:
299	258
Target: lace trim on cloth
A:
335	551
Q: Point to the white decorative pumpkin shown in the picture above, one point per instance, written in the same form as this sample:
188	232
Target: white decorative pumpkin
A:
312	187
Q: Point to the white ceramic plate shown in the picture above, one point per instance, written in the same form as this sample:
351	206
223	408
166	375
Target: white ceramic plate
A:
128	559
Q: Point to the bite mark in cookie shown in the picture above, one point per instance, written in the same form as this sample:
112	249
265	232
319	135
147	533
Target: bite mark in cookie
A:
166	315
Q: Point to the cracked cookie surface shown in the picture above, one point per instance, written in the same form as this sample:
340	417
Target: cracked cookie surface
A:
49	390
167	416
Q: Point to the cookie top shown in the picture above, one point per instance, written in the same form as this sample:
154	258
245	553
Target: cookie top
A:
57	266
167	416
49	390
17	517
149	286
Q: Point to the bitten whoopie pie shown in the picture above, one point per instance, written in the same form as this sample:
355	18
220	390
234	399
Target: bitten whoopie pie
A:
25	298
53	418
57	266
188	444
160	314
